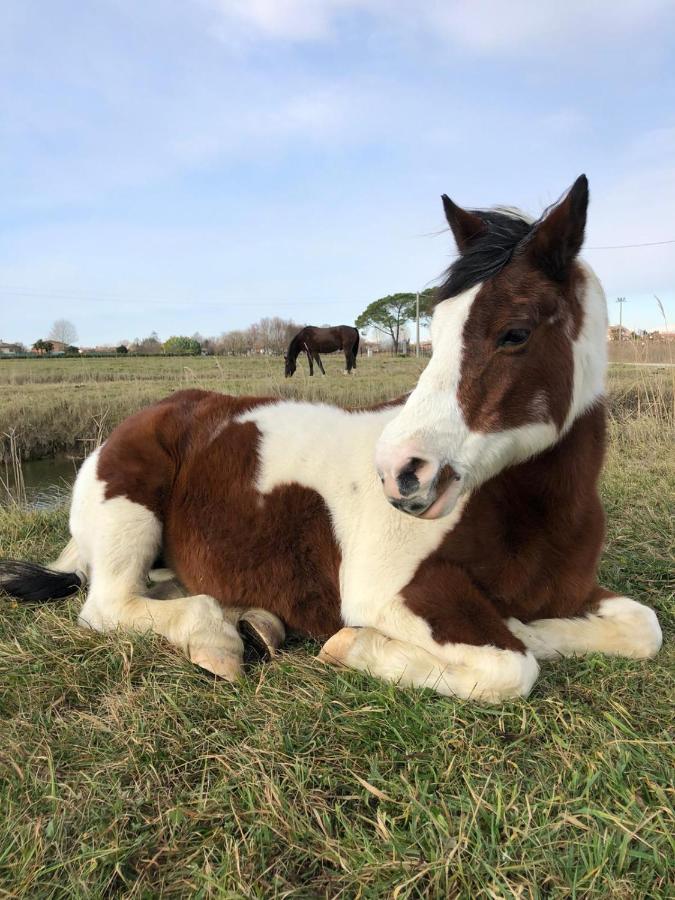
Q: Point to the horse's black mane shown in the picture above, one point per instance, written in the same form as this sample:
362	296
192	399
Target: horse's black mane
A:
488	254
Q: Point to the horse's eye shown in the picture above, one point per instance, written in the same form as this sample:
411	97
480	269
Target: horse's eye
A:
513	337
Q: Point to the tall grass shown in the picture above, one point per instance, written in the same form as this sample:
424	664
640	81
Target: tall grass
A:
12	483
70	405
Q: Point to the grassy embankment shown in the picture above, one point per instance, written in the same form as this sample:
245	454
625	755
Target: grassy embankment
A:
126	772
57	405
67	404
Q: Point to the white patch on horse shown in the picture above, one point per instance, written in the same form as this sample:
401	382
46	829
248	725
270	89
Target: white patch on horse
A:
329	450
479	673
590	348
619	627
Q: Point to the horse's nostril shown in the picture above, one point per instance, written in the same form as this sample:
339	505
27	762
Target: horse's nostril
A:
407	480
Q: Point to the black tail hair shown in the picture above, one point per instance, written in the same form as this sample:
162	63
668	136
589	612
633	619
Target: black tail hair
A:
30	582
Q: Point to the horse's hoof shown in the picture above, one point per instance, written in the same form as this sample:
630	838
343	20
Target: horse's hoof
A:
334	651
263	631
220	662
159	575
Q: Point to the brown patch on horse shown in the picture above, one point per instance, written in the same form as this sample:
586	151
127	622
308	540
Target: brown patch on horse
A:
527	545
505	387
274	551
141	457
191	463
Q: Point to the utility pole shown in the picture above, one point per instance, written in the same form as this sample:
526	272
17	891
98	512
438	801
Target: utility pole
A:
417	323
621	301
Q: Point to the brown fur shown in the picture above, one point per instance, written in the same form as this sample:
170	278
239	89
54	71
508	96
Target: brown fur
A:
527	545
504	387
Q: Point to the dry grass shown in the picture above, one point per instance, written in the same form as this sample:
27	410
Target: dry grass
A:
68	405
64	404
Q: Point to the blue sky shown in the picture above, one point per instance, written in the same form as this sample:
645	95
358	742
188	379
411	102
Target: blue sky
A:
193	165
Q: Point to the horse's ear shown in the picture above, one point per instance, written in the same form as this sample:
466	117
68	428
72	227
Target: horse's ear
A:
466	226
557	239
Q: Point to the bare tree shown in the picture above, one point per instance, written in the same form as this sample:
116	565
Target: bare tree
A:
63	331
273	334
269	335
233	343
149	346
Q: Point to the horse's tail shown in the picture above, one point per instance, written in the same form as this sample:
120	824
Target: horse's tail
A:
31	582
355	348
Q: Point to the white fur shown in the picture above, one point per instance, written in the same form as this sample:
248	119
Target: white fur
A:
590	348
619	627
117	541
480	673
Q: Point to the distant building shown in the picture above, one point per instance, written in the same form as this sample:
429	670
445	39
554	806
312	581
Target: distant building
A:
10	349
618	333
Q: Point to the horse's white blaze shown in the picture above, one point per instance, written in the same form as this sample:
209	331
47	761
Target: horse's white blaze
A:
619	627
331	451
480	673
433	420
431	417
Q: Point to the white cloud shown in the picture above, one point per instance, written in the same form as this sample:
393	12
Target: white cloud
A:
482	26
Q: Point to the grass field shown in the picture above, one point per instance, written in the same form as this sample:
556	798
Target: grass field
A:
66	404
126	772
56	405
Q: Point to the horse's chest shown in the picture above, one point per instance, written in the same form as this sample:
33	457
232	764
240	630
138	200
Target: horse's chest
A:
381	553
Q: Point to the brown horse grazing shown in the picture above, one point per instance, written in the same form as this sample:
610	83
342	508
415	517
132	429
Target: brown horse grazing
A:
449	541
313	341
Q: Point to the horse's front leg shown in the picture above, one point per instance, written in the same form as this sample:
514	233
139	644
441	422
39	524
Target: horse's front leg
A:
607	623
319	363
440	633
311	364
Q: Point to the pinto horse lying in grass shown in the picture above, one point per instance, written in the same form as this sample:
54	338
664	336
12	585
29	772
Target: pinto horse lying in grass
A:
449	540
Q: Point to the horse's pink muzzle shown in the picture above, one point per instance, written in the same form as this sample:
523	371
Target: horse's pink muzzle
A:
416	483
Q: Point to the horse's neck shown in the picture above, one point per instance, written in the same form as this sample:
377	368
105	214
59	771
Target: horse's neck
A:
565	475
295	347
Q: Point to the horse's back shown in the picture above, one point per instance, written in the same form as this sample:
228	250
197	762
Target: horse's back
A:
142	456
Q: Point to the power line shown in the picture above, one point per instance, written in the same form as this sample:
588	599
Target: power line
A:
630	246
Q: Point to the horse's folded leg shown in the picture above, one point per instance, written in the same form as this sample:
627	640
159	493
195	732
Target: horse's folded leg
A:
334	651
263	630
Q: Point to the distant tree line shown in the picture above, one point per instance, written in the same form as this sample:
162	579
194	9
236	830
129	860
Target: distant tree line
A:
268	336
